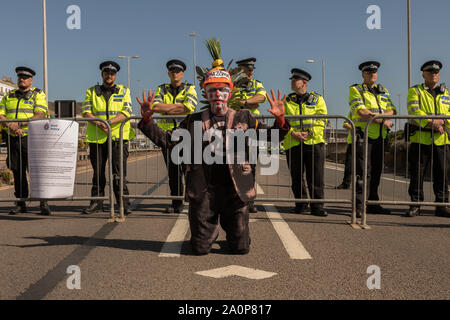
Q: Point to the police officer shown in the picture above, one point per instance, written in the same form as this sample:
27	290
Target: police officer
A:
429	137
305	142
250	94
347	179
367	100
111	102
174	98
25	103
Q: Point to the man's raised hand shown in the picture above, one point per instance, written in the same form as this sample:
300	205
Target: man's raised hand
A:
146	105
277	104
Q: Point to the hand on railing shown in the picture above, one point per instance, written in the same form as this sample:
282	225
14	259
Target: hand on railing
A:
300	136
146	105
388	124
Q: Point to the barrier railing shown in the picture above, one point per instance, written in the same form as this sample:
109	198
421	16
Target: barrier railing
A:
396	118
73	198
350	201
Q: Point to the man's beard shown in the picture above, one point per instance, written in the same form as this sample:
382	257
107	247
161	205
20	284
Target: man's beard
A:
219	108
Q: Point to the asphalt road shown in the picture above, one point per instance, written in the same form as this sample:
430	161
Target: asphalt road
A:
296	256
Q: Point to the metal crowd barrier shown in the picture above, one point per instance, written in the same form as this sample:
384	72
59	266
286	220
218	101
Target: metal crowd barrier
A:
73	198
279	198
366	201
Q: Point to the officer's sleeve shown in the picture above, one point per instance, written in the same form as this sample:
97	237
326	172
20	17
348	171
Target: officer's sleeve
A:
86	106
414	106
260	90
321	108
41	104
355	101
349	116
158	97
191	101
390	105
126	109
3	106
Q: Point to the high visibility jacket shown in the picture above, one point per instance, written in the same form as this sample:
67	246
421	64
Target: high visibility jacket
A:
349	136
95	103
314	104
255	88
361	98
17	106
186	96
422	103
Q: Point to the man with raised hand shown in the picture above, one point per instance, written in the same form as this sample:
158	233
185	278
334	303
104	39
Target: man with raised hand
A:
220	190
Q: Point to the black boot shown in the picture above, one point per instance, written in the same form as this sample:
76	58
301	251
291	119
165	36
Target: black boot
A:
45	209
318	211
442	212
19	208
126	208
413	211
343	186
95	206
300	209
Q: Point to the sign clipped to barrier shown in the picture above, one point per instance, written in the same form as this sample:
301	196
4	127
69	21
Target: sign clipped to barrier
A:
52	158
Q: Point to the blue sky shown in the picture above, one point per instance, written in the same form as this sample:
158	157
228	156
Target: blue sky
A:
280	34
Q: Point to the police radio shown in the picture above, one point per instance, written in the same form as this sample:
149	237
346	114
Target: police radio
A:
442	88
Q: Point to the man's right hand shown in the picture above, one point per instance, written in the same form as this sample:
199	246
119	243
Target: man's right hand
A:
146	105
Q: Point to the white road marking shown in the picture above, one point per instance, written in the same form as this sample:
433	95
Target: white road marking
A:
292	244
235	270
342	169
259	190
174	242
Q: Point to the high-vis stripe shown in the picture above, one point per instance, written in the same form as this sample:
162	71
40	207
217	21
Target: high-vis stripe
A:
127	104
413	102
414	109
20	111
355	100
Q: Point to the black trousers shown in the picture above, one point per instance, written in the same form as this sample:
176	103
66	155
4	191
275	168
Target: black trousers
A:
347	179
220	201
175	173
309	158
98	157
17	162
375	163
425	153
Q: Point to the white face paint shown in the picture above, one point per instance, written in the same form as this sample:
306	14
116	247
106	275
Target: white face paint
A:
218	98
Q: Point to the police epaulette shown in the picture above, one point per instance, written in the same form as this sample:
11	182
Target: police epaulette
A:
354	85
37	90
258	81
289	97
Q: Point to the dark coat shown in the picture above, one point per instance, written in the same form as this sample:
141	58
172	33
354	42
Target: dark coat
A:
197	175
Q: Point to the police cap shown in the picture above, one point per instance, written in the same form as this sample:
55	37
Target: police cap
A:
249	63
371	66
176	65
24	71
109	66
431	66
300	74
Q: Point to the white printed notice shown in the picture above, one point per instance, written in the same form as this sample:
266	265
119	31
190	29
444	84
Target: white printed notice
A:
52	158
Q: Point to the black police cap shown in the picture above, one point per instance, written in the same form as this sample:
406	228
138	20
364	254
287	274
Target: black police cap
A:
249	62
109	66
369	66
432	65
176	65
25	71
300	74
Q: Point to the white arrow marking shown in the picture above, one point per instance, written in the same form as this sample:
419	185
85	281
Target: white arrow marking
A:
174	242
259	190
293	246
234	270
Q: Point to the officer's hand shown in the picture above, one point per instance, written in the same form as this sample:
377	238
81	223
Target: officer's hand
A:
19	132
277	104
436	123
347	126
300	136
102	126
146	105
388	124
13	127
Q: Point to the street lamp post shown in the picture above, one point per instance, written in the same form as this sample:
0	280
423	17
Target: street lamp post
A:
128	57
194	35
323	74
44	22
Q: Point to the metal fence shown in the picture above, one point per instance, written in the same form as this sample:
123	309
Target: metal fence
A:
398	164
84	180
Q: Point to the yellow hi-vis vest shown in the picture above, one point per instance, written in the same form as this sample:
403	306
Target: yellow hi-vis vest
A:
314	104
186	96
422	103
16	106
95	103
255	88
361	98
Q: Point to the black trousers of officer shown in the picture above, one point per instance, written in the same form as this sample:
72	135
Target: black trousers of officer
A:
221	200
175	173
99	156
347	179
417	170
309	158
375	163
17	162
